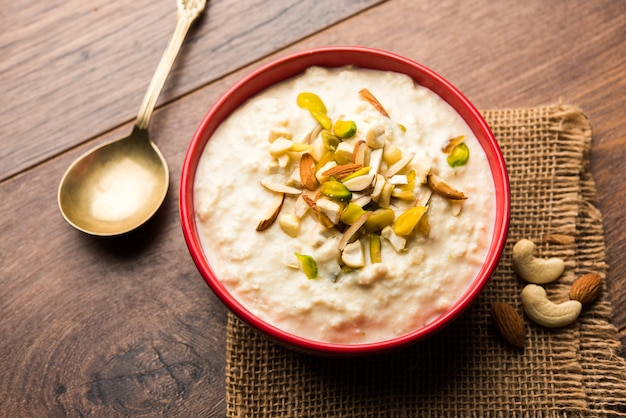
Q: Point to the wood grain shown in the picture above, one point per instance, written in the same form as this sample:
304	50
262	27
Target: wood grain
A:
126	326
72	70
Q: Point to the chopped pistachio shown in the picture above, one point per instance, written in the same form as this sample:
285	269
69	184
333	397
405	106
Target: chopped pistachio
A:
459	155
403	193
330	141
308	265
323	119
360	172
351	213
375	248
423	226
379	219
344	128
311	102
336	190
407	221
327	157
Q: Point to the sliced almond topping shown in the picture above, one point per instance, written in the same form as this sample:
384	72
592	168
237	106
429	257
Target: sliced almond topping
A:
341	171
307	172
439	186
354	228
271	183
309	201
376	159
379	183
310	137
398	179
456	207
361	200
398	166
449	145
367	95
273	214
359	183
321	217
424	196
358	156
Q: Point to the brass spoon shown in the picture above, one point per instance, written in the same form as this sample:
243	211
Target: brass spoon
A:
118	186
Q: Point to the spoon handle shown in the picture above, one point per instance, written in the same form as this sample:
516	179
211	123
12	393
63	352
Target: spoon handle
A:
188	11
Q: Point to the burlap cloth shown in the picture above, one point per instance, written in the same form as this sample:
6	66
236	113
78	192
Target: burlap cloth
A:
467	369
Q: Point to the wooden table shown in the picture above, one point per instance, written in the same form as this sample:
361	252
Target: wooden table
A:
126	326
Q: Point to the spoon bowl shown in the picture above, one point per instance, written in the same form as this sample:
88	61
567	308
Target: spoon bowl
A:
116	187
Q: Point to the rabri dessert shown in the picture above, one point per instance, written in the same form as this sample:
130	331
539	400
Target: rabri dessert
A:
345	205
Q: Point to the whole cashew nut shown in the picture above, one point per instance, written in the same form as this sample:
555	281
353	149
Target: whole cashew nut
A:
543	311
532	269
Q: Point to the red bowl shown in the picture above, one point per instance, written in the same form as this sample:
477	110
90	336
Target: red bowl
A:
292	65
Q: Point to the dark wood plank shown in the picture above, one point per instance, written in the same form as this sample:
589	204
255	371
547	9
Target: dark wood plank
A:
121	327
113	327
73	69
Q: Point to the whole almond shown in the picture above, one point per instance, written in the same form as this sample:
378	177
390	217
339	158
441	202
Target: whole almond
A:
509	323
341	171
586	289
307	172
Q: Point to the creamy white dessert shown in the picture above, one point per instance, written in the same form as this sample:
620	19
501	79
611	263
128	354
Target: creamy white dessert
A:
392	156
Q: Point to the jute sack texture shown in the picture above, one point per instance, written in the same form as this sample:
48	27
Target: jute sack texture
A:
467	370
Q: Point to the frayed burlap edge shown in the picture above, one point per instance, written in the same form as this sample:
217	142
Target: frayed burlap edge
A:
603	370
574	371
